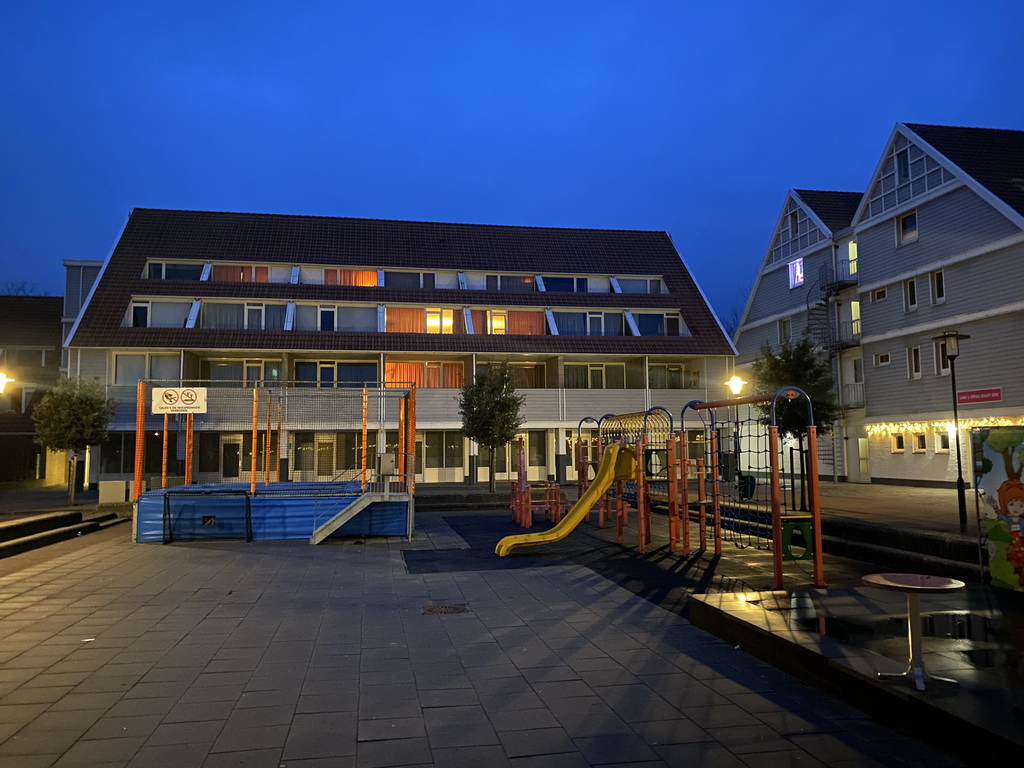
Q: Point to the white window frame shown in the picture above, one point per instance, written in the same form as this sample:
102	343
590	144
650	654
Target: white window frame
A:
254	307
440	314
897	443
321	308
879	294
910	294
913	362
903	235
939	447
785	329
147	305
881	359
492	327
937	285
796	273
941	360
919	442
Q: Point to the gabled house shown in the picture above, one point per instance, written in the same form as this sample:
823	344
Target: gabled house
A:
592	321
934	245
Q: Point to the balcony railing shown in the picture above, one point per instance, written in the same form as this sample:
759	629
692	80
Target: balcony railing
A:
853	395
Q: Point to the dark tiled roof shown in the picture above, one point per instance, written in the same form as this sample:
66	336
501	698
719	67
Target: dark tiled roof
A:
835	209
31	321
993	157
306	240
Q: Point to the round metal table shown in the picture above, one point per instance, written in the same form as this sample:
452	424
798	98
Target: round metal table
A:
913	585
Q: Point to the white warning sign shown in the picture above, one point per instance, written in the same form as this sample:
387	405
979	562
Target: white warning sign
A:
179	399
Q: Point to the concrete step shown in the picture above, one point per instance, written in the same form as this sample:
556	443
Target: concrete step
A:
22	535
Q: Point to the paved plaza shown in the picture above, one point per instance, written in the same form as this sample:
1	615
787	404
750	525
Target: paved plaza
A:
282	654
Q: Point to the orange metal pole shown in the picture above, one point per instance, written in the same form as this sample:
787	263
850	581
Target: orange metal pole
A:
266	442
410	442
814	500
776	501
579	467
401	436
163	460
702	499
672	488
716	495
140	438
362	468
277	464
255	432
189	423
602	504
641	497
684	479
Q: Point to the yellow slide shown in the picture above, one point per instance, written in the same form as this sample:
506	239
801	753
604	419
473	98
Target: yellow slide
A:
618	463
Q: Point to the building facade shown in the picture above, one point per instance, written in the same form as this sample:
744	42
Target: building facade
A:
30	347
592	322
877	278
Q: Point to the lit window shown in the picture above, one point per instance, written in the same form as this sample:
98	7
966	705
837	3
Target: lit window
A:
440	320
497	322
796	273
906	228
851	259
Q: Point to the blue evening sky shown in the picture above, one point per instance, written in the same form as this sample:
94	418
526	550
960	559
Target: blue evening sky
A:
693	118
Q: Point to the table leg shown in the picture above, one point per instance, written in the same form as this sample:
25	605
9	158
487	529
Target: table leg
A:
915	665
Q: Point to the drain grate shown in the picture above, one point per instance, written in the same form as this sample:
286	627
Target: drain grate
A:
438	609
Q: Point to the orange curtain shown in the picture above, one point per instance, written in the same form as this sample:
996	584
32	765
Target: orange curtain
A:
330	277
452	375
239	273
360	277
402	374
479	320
404	320
525	323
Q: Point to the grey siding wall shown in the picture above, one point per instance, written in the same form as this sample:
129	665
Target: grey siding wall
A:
947	226
752	339
93	364
984	363
774	294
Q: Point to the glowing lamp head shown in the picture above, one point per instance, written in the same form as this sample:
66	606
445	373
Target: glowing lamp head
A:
4	381
735	385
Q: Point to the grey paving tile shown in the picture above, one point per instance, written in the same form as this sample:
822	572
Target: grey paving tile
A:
101	751
177	755
448	697
118	727
399	752
31	742
336	702
679	730
388	701
321	735
560	760
471	757
614	748
706	753
248	737
251	758
384	730
34	695
459	727
186	733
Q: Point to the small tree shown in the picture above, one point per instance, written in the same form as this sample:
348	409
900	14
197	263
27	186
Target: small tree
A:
490	409
797	364
71	417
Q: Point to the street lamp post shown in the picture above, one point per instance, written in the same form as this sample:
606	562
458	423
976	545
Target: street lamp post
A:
735	385
951	340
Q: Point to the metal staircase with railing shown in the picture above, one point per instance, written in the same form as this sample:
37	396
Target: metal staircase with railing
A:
383	488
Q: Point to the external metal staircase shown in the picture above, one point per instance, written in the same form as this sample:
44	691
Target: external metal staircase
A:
384	490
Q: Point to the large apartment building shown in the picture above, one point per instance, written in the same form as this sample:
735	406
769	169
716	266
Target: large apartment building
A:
592	321
935	245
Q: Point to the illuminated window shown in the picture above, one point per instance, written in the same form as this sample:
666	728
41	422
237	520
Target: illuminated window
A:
440	320
497	322
796	273
851	259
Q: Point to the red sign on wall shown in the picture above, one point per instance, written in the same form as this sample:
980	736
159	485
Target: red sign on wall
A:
973	396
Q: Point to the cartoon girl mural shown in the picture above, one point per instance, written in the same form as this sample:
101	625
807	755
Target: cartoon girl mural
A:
1011	511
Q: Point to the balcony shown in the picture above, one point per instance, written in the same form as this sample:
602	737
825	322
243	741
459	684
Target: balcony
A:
853	395
229	409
